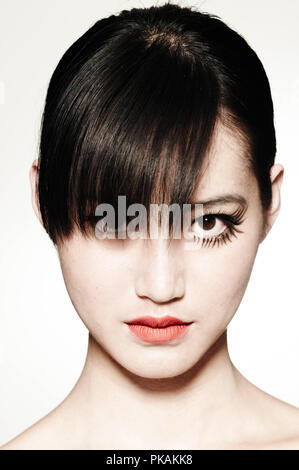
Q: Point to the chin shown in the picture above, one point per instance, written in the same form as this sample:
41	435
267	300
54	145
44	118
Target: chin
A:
158	368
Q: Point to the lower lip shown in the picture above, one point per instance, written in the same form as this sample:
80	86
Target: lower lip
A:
159	335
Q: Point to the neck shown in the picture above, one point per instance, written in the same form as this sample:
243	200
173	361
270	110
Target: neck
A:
115	405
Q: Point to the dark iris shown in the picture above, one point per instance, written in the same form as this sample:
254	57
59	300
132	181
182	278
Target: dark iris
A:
208	222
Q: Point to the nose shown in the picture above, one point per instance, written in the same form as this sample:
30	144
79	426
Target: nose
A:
159	274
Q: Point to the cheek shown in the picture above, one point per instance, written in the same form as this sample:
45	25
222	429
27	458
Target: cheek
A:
91	281
220	280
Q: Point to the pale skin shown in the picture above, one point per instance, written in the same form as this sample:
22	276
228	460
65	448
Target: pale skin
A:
188	395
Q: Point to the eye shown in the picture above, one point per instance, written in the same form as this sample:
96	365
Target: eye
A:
209	229
208	225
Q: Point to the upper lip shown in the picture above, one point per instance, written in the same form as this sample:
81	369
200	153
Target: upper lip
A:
158	322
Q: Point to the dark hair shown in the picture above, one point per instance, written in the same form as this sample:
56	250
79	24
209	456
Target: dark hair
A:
131	108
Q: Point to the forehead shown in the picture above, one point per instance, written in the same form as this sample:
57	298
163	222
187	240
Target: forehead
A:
226	168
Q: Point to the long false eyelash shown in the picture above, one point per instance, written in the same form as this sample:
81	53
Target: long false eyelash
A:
231	220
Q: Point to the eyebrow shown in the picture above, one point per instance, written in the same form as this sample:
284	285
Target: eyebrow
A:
223	199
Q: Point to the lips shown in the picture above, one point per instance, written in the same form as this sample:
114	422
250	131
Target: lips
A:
157	322
151	329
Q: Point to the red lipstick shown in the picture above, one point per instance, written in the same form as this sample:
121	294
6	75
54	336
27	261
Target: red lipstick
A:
154	330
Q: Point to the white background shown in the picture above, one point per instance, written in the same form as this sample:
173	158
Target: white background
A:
43	342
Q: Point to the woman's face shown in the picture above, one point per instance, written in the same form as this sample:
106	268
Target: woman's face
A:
111	282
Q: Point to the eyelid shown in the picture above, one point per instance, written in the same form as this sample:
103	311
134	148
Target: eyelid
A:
236	215
226	218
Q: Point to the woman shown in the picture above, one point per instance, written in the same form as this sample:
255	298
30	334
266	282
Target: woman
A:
161	105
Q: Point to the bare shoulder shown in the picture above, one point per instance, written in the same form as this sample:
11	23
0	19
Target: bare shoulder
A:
50	432
288	421
288	444
36	437
285	443
268	422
